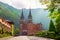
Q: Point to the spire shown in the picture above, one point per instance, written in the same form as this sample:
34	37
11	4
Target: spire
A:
22	14
30	17
30	13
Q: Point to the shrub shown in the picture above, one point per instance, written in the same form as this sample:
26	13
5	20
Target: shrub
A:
57	37
41	34
16	31
4	35
1	36
30	34
51	35
46	34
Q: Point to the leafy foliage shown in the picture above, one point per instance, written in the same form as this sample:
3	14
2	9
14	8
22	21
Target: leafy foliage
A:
5	34
54	9
41	34
46	34
16	31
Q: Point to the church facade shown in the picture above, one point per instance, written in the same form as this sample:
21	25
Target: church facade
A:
27	28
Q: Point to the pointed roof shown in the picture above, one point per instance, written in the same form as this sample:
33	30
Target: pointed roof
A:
22	16
30	13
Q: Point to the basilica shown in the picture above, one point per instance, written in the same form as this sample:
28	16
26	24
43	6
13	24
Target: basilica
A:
27	28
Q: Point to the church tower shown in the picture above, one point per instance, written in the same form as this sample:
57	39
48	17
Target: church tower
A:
22	18
29	17
21	22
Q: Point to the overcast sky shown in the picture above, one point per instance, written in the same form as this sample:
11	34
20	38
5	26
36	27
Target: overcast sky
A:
24	3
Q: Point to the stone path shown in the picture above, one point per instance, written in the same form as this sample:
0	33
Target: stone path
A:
26	38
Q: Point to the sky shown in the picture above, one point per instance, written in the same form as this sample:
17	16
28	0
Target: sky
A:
24	4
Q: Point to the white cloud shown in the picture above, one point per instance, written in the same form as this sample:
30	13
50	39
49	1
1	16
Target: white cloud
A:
24	3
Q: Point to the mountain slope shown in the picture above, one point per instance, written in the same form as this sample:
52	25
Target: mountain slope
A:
9	13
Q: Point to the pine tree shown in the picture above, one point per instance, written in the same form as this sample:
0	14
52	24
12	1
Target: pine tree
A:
52	27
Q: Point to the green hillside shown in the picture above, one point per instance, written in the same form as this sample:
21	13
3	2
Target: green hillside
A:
9	13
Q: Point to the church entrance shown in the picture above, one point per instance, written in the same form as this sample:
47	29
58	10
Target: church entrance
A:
24	33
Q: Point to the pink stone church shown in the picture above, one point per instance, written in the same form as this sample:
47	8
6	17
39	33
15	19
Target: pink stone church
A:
27	28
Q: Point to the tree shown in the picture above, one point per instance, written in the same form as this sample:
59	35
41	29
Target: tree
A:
52	27
54	9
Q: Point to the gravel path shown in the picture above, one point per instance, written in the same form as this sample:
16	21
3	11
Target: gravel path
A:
25	38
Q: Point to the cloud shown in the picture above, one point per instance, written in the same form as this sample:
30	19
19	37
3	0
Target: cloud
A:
24	3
